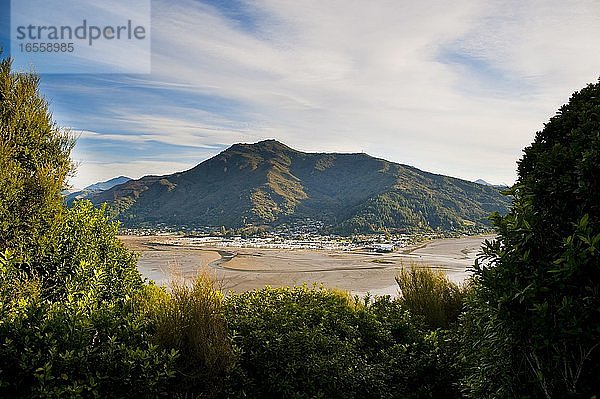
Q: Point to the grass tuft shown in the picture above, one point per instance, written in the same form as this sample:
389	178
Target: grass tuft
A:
189	319
430	295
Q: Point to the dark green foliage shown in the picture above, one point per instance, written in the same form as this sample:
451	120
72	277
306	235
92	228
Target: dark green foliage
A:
419	363
315	343
533	328
79	346
490	362
270	183
423	368
560	171
296	343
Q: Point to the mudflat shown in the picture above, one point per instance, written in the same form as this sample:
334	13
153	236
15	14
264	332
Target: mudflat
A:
242	269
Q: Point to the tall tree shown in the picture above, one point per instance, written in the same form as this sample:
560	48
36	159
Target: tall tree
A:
34	163
67	324
534	319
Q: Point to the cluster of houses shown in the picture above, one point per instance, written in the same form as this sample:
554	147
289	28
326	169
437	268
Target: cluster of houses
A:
304	235
372	243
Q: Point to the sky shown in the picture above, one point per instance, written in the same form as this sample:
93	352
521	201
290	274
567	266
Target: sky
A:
452	87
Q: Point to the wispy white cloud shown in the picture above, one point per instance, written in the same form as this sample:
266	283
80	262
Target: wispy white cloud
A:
452	87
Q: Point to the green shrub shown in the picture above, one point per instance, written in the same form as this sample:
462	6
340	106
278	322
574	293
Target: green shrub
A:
491	366
430	295
317	343
87	237
74	334
79	346
416	363
423	368
294	343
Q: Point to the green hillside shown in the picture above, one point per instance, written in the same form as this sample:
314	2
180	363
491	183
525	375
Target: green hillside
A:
270	183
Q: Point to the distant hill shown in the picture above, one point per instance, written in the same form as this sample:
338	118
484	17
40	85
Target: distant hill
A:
105	185
271	183
483	182
95	188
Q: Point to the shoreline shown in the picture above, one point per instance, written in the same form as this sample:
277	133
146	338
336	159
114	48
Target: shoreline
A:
242	269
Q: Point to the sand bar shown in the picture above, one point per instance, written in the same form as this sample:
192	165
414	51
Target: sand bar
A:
242	269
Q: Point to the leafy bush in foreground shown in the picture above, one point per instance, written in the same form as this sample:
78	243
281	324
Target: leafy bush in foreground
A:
87	246
78	346
296	343
316	343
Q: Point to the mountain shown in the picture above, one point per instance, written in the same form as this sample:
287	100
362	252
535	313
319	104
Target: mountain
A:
105	185
482	182
271	183
95	188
